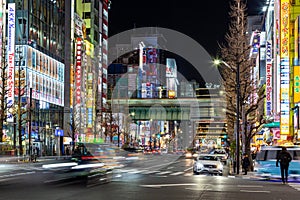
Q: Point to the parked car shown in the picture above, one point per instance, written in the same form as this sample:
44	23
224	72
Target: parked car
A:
208	163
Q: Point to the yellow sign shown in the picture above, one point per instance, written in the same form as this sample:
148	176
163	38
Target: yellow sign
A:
296	84
296	36
284	28
89	48
284	67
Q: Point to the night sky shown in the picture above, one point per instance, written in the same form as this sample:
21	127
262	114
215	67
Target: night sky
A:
205	21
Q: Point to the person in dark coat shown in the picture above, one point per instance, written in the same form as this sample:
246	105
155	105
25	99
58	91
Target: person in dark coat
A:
284	158
245	163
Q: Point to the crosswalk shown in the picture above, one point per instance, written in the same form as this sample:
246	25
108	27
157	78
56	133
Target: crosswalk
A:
153	172
294	185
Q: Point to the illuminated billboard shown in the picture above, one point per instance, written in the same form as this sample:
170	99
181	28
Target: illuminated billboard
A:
284	68
78	71
11	17
269	79
171	68
296	84
47	76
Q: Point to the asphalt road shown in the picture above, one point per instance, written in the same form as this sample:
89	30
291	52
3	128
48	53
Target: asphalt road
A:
144	177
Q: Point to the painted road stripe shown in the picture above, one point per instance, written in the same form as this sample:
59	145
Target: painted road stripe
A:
150	172
252	186
165	172
255	191
169	185
176	173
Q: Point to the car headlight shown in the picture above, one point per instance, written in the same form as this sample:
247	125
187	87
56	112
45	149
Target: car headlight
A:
188	155
220	166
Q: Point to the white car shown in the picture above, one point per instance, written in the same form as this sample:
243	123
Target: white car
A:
208	163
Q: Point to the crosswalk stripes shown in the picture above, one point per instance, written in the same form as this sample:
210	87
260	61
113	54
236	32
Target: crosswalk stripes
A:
296	186
188	174
176	173
164	172
150	172
154	172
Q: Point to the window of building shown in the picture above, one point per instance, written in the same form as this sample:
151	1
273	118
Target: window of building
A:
86	15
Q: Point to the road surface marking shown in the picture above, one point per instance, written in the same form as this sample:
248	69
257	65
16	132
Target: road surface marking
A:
188	169
260	186
137	171
164	172
169	185
176	173
150	172
255	191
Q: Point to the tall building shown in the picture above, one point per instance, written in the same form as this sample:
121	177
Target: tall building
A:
36	45
90	34
58	64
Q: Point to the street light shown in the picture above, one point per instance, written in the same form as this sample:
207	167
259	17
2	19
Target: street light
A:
217	63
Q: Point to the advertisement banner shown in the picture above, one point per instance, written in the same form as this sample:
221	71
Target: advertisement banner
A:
269	79
296	41
11	58
78	71
284	67
296	84
171	68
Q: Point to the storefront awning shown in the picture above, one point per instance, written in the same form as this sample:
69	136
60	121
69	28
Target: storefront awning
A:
272	125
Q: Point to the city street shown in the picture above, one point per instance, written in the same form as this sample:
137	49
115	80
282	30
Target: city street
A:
144	177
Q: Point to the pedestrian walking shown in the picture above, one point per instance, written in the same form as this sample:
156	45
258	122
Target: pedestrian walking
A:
245	163
68	151
284	158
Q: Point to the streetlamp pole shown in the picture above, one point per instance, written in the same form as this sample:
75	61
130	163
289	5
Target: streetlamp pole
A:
237	153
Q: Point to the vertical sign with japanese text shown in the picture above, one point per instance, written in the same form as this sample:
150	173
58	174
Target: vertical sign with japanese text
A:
284	68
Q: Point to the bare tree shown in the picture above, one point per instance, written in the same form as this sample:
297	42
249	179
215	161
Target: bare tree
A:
236	53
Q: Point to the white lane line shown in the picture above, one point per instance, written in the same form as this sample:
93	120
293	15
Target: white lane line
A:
251	186
188	169
296	186
150	172
188	174
137	171
255	191
176	173
199	189
169	185
165	172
